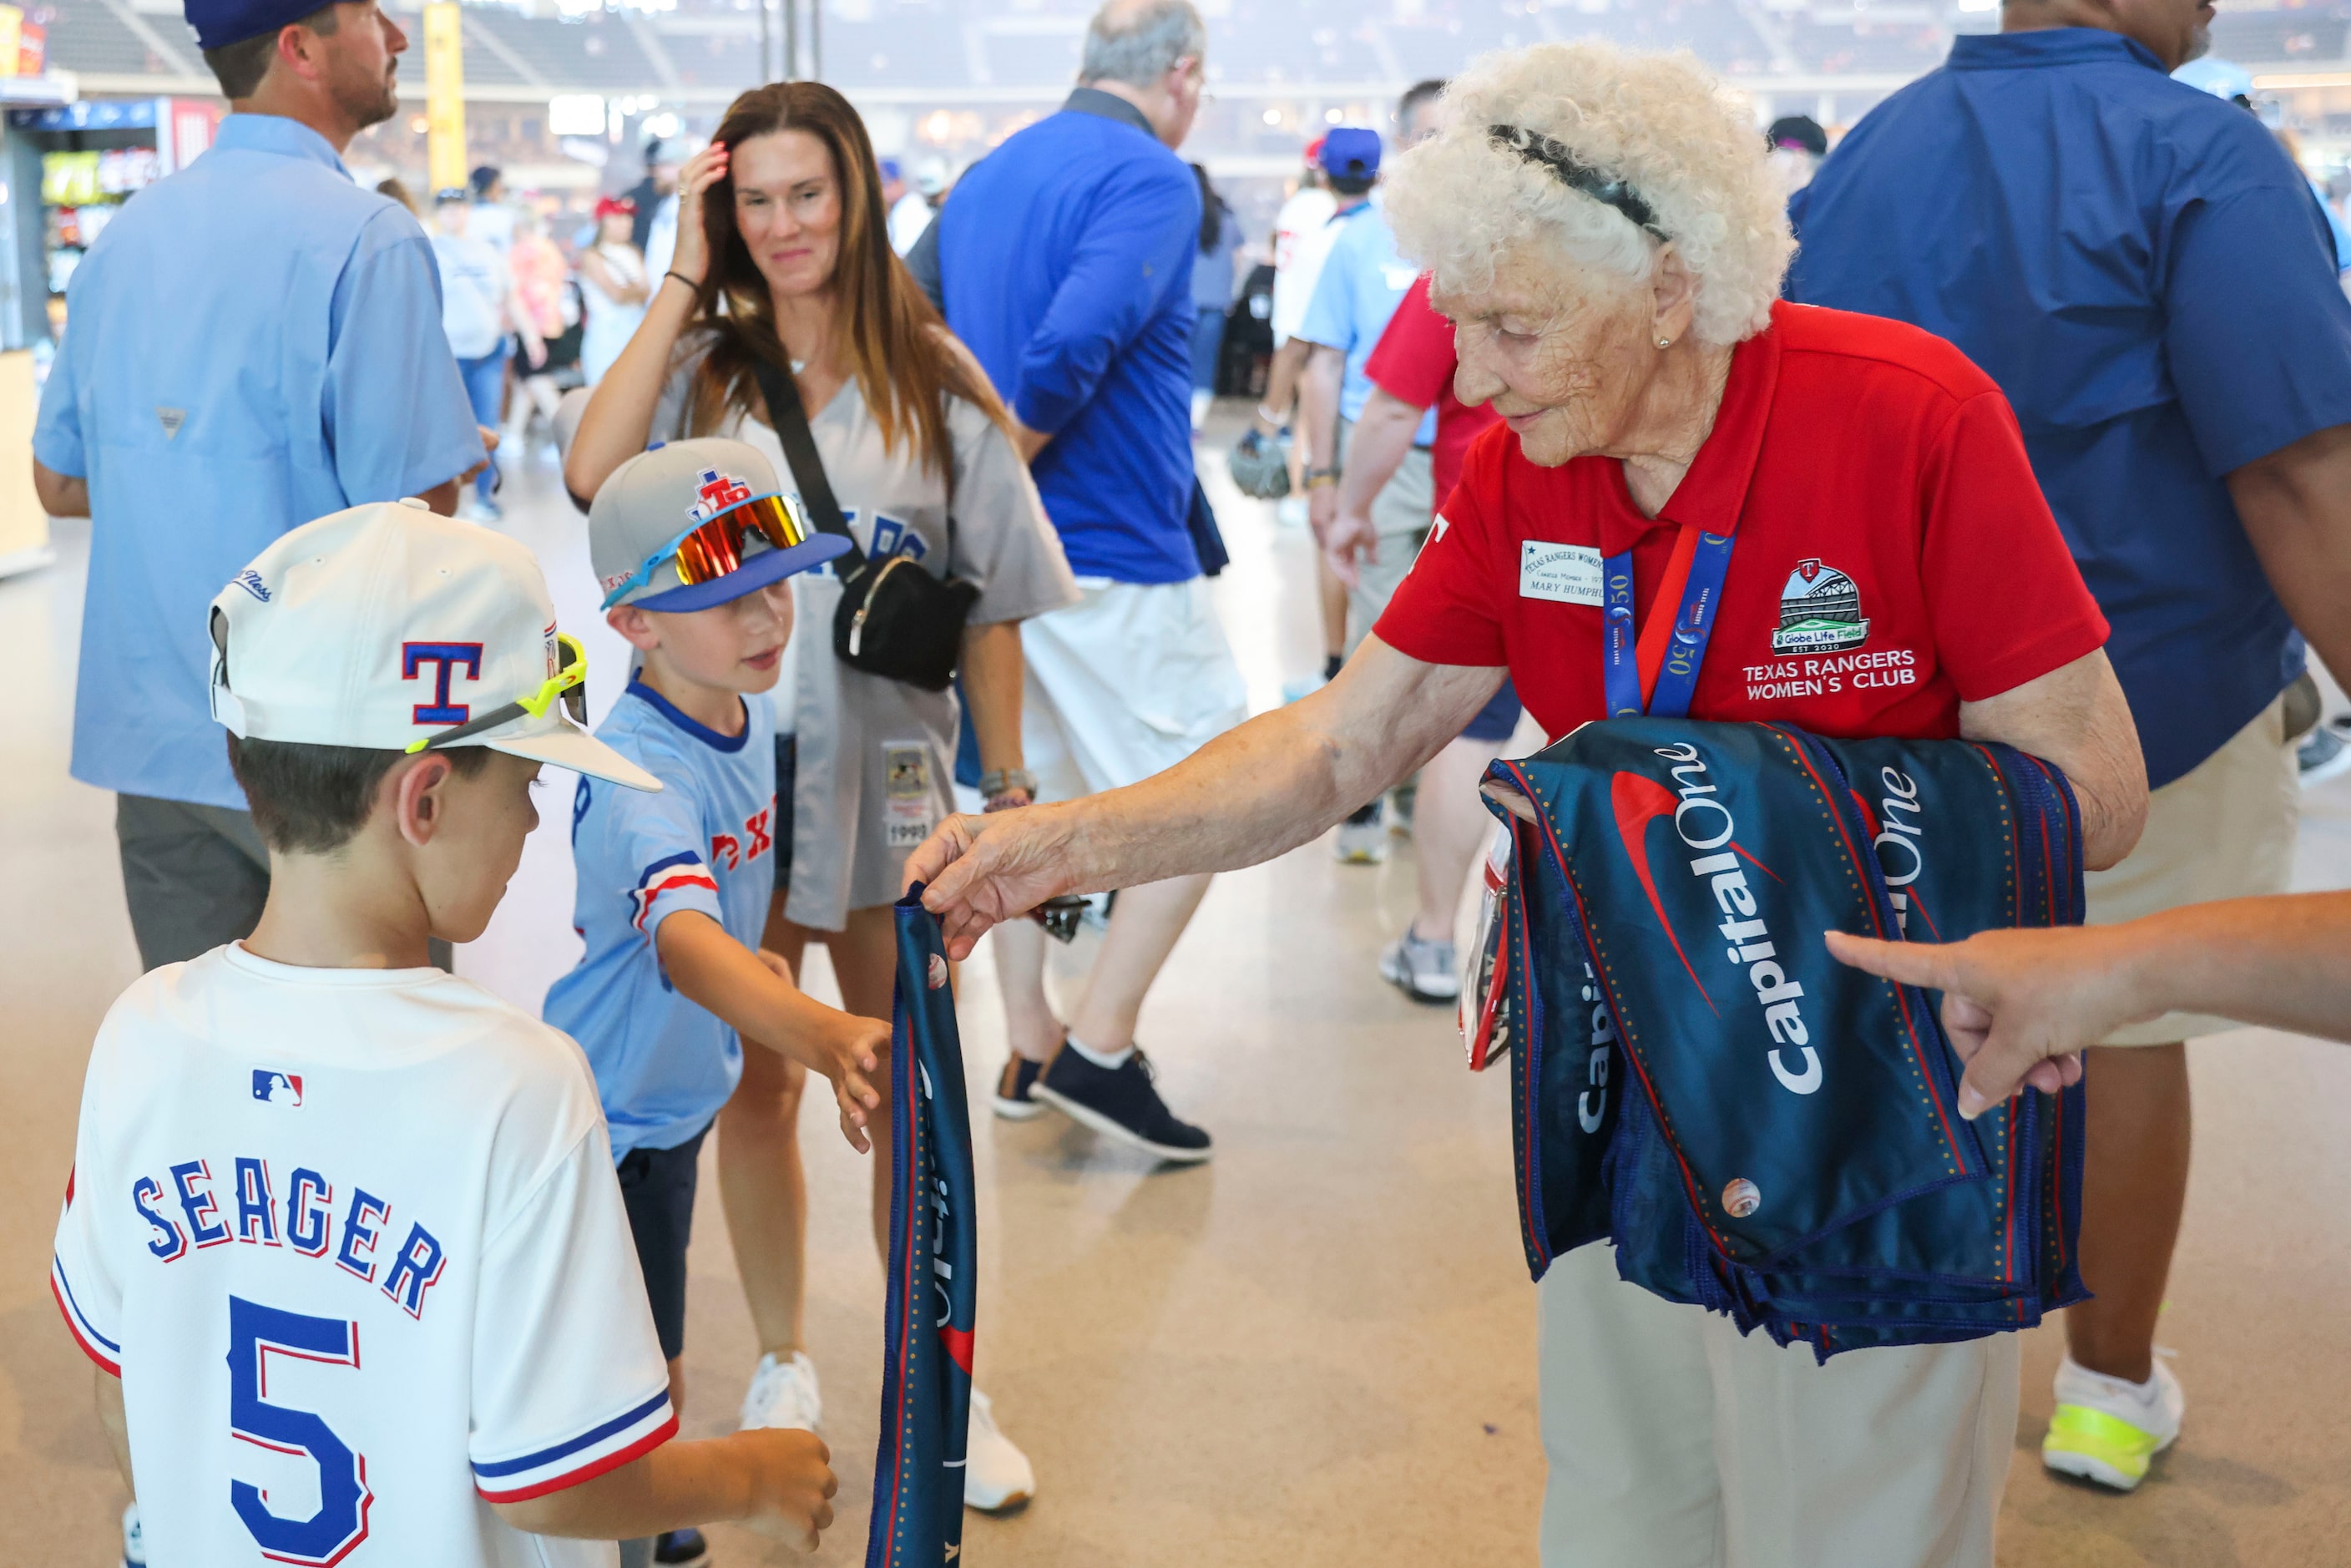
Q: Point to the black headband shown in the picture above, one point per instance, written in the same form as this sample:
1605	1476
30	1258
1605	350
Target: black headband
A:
1564	166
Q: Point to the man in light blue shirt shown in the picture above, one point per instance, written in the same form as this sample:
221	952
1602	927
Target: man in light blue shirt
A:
1361	283
254	341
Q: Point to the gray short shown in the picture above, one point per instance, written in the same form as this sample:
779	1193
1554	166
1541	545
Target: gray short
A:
195	878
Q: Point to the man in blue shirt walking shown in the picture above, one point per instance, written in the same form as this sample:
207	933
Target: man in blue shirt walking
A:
2151	283
254	341
1066	263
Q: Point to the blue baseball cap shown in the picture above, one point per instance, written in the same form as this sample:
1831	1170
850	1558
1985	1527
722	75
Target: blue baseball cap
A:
1351	152
220	23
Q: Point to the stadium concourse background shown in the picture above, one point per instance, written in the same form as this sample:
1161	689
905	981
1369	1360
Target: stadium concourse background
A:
1318	1350
562	93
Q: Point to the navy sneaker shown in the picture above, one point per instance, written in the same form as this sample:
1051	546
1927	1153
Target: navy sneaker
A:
1121	1102
682	1548
1014	1101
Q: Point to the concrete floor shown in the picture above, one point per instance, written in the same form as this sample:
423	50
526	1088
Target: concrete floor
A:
1319	1349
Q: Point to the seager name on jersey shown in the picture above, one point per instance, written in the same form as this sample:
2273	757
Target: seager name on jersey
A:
189	1210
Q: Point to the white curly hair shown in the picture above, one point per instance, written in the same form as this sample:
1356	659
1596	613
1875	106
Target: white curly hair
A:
1656	122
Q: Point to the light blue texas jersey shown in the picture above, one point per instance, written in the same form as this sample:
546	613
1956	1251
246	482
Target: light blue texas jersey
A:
706	841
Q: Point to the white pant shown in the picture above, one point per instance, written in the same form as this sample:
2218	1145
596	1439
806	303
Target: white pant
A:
1675	1443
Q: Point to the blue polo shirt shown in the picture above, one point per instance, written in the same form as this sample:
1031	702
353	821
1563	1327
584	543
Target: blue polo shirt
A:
1066	261
1361	283
2148	278
254	342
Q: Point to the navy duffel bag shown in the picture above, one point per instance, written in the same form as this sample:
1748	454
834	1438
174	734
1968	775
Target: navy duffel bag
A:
1758	1129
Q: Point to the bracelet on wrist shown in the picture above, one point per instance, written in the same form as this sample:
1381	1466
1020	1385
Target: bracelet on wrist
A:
1001	781
1267	415
1318	477
1010	800
681	278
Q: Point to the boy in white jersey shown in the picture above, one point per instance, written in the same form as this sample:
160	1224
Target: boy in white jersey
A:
342	1234
693	547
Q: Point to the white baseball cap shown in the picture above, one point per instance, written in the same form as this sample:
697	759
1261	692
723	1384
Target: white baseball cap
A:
392	628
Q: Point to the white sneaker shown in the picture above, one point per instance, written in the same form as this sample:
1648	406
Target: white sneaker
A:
1425	970
134	1539
2107	1430
997	1476
783	1393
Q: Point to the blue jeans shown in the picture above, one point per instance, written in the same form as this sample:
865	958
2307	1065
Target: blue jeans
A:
486	381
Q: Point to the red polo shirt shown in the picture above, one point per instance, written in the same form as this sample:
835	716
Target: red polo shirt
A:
1414	362
1893	554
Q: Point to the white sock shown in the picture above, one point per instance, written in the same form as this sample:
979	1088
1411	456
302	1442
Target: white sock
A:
1108	1060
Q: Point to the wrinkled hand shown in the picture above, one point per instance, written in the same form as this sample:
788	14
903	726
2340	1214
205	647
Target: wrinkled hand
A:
1347	544
983	870
2019	1005
703	170
792	1484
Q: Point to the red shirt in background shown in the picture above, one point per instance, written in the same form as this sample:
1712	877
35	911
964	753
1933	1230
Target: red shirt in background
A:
1413	361
1894	556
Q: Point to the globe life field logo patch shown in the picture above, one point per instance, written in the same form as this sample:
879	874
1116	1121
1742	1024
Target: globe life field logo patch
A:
1820	612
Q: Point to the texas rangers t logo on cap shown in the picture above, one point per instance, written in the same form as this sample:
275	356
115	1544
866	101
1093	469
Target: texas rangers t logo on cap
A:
718	492
274	1088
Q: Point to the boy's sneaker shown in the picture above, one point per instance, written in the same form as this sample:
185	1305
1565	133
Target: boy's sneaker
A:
997	1476
1120	1102
134	1539
1425	970
1014	1101
683	1548
2107	1430
1363	838
783	1393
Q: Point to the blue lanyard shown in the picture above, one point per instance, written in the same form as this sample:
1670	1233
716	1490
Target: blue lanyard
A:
1684	649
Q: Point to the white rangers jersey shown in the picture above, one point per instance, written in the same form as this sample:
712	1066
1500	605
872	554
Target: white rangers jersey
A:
352	1241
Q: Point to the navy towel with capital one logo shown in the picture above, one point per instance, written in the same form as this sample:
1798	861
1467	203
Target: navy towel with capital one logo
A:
933	1252
1758	1128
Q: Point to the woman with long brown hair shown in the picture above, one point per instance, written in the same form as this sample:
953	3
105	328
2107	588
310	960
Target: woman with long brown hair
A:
783	260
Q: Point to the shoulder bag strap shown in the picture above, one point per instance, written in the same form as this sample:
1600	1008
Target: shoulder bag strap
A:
784	412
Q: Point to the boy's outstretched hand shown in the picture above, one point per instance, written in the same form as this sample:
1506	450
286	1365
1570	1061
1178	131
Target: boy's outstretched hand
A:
849	1051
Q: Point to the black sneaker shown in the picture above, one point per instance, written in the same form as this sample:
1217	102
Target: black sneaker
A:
1120	1102
1013	1101
683	1549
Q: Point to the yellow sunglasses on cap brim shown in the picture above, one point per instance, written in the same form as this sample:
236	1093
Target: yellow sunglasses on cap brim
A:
569	683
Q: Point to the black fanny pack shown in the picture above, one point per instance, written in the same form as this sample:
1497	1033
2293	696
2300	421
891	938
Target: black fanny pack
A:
895	619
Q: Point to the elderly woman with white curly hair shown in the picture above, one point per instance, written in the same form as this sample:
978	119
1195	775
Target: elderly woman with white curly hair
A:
1851	499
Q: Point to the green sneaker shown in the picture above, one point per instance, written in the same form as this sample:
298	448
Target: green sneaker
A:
2107	1430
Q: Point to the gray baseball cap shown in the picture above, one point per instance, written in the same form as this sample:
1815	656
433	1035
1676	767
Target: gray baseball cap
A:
655	501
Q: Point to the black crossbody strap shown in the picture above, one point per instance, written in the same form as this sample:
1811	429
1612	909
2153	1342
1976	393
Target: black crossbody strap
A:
784	412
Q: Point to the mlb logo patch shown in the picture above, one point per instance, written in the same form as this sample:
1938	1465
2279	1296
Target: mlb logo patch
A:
274	1088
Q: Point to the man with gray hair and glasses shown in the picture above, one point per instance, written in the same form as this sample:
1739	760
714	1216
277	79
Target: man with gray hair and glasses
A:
1065	260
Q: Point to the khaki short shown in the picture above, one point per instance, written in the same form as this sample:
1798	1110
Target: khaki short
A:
1401	513
2226	829
1675	1443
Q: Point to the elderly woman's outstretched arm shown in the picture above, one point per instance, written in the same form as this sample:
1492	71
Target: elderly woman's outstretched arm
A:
1253	792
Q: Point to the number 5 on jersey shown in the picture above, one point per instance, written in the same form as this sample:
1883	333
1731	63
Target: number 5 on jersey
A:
328	1536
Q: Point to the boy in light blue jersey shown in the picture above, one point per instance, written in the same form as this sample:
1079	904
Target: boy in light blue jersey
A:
692	545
